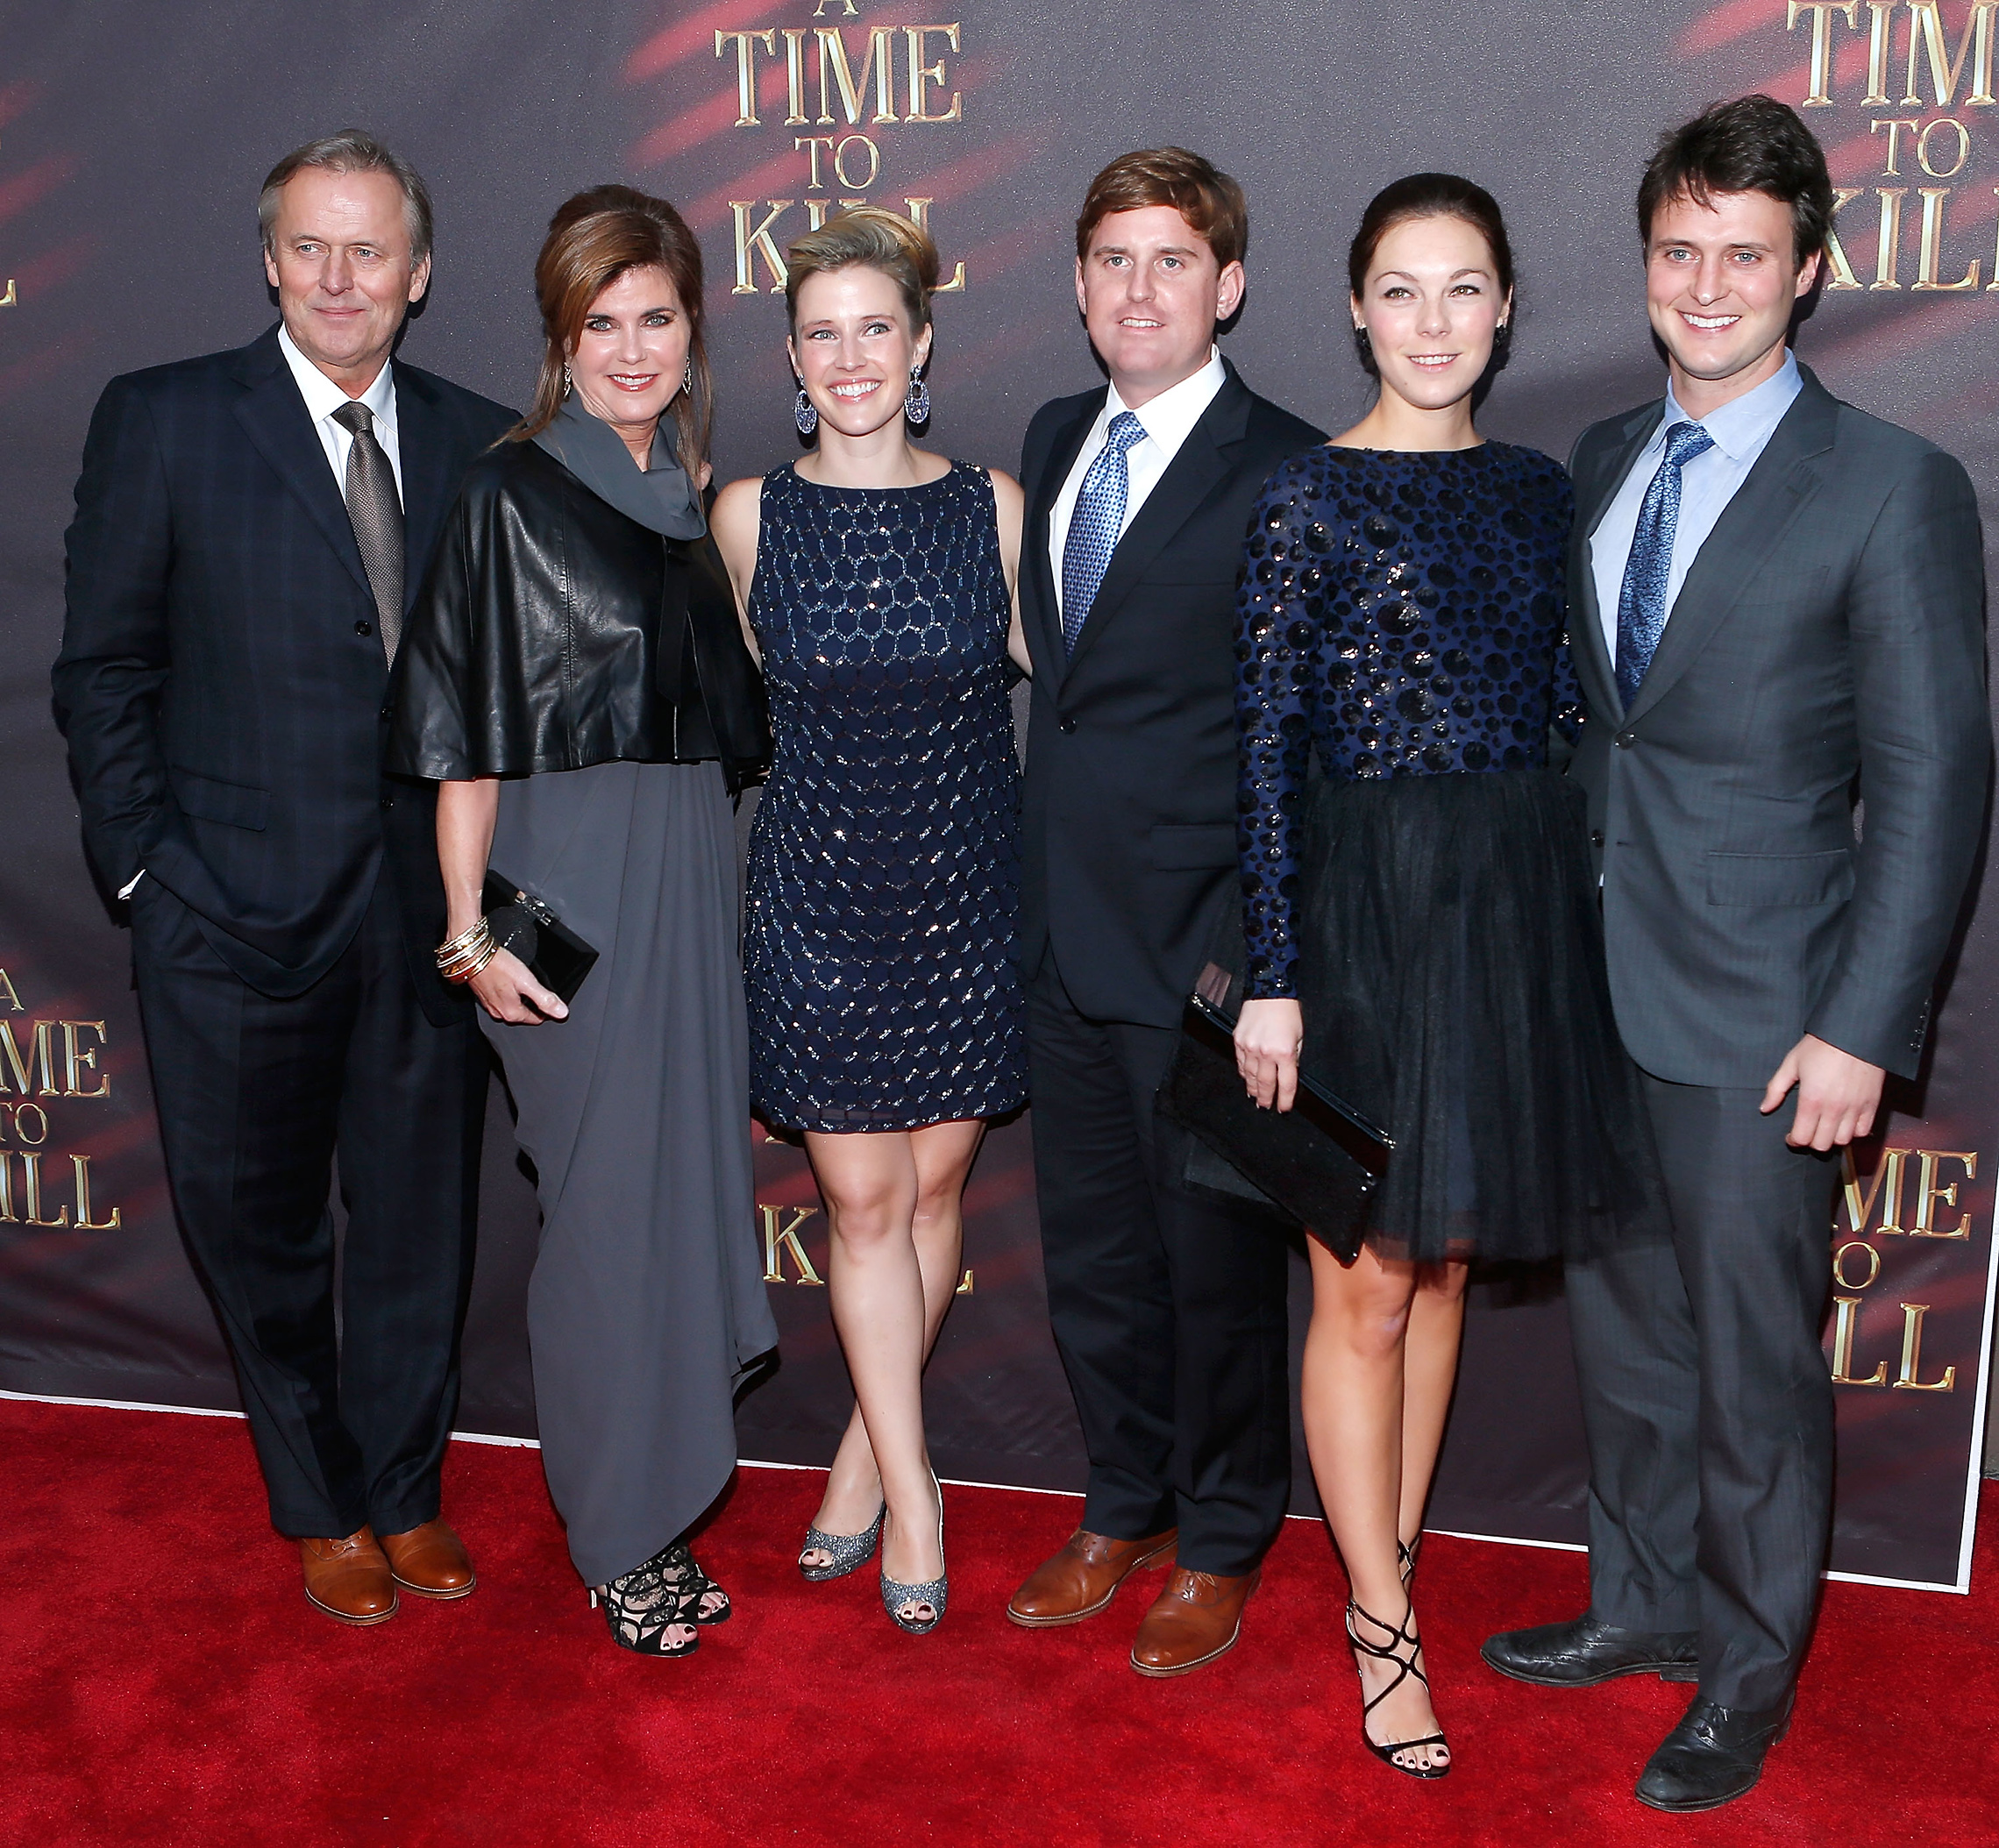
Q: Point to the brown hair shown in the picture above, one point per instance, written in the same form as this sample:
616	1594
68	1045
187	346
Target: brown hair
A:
877	238
593	240
1200	192
1752	145
352	150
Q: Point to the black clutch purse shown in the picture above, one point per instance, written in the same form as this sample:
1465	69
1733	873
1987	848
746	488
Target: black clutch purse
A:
556	957
1317	1163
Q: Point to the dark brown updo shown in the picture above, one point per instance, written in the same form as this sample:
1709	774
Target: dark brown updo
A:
1427	196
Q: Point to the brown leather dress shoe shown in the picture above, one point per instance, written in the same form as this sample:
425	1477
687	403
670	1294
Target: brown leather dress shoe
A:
1196	1618
349	1579
1083	1577
430	1561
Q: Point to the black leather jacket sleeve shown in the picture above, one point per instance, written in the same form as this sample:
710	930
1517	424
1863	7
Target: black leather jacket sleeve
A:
553	632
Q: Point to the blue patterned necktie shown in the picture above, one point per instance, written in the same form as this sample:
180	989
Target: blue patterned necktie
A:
1095	526
1641	601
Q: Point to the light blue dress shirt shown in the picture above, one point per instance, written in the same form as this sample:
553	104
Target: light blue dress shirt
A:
1740	428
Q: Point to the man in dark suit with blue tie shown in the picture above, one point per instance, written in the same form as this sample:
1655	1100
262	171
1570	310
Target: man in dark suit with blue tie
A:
251	527
1168	1306
1776	606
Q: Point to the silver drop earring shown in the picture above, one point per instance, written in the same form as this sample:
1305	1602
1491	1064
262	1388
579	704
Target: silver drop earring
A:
566	378
806	412
688	376
916	400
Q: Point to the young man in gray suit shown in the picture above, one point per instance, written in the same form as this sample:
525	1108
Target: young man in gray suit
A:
1776	604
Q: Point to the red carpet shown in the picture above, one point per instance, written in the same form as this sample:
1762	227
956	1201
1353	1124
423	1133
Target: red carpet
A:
162	1682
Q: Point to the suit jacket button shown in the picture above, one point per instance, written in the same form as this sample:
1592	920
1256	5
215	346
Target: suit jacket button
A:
1626	739
1066	725
363	629
387	713
388	801
1596	837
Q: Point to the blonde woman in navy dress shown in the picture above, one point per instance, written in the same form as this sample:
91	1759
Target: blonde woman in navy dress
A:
1421	912
886	1015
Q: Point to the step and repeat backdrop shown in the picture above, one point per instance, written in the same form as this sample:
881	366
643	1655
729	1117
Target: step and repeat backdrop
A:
132	138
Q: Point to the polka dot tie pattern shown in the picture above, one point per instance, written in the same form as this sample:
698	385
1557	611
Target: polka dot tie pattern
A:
1097	524
1402	614
884	862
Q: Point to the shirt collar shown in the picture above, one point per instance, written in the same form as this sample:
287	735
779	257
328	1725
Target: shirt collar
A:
322	397
1742	426
1170	418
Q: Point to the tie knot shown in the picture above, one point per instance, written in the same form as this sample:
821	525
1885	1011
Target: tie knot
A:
1684	442
356	418
1125	430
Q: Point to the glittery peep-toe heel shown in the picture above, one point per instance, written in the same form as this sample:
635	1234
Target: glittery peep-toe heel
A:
844	1552
933	1592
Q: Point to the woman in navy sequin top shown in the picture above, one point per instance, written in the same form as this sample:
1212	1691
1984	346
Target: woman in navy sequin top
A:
886	1012
1418	905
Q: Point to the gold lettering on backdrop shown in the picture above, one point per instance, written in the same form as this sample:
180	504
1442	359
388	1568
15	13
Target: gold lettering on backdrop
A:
1963	135
1886	1180
1882	11
1905	1381
883	77
84	1222
1893	124
1842	271
1888	252
8	995
1928	1193
18	1114
1845	1321
1866	1251
32	1195
745	44
76	1057
40	1058
1820	12
1931	256
780	1238
964	1285
1926	32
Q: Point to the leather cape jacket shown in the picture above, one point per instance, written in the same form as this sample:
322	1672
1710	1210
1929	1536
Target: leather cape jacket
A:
555	632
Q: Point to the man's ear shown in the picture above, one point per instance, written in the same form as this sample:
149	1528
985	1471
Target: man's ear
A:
1228	291
419	278
1082	301
1808	273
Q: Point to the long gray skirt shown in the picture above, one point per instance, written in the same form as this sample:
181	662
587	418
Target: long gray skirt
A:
647	1301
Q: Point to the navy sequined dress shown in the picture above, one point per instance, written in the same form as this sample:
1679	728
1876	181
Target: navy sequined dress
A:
1412	872
883	886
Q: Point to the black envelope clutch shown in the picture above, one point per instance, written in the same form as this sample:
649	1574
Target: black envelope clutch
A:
1316	1162
556	957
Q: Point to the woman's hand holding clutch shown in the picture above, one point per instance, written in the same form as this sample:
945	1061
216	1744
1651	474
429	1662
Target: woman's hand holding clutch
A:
508	991
1269	1037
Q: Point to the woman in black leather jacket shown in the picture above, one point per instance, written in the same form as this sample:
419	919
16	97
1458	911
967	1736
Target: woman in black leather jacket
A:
575	679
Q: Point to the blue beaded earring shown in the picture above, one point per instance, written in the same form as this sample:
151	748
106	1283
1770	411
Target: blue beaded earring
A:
916	400
807	413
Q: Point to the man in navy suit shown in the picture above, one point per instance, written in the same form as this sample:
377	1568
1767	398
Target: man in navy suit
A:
251	527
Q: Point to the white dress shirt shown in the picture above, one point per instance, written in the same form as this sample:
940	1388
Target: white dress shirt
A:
1169	420
322	398
1741	428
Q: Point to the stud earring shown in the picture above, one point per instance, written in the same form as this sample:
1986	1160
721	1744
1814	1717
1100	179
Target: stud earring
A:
916	400
807	413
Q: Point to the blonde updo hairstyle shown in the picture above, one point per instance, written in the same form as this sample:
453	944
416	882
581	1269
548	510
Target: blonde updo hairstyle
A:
881	239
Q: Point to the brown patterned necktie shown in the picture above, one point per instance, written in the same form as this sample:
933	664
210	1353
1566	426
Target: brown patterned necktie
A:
376	511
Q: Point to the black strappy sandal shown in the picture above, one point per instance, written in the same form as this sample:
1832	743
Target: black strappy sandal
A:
696	1587
1405	1636
1406	1557
648	1601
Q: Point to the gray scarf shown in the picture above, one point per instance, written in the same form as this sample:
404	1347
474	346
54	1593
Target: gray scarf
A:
659	496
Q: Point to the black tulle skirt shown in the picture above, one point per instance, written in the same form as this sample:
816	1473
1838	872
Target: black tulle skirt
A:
1451	973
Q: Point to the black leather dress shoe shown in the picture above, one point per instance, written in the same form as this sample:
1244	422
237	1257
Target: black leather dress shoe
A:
1713	1756
1585	1651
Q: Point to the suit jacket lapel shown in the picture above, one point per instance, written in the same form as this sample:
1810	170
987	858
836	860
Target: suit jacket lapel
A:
1586	646
274	415
1750	527
1202	463
420	439
1062	451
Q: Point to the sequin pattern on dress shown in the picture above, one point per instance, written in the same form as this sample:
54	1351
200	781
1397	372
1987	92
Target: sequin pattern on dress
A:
884	862
1401	613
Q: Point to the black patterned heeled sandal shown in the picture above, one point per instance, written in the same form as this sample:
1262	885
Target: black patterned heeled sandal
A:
1405	1556
643	1605
696	1589
1403	1637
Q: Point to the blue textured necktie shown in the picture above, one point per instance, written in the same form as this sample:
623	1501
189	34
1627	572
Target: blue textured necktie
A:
1641	601
1095	526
